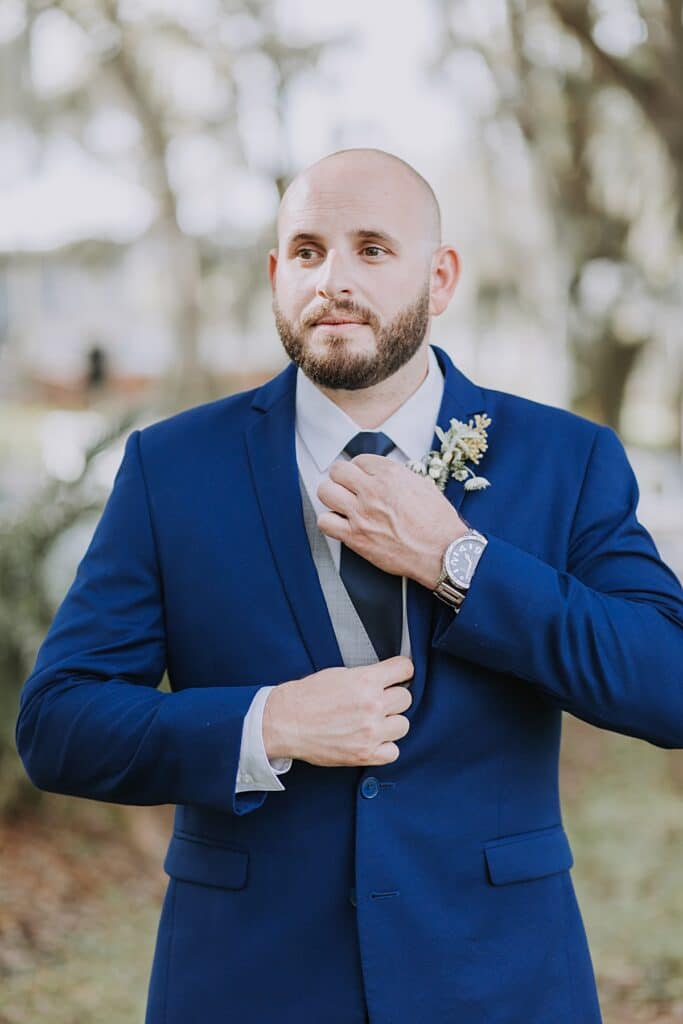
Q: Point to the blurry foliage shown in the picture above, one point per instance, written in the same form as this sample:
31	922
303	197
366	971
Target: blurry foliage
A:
594	91
247	66
26	539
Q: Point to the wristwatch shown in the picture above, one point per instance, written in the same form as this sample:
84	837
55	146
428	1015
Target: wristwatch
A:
459	562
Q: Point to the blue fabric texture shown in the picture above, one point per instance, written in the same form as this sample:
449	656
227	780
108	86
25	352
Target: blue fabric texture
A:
436	888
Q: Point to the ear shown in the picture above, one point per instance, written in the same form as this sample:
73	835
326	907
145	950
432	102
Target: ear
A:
272	267
444	277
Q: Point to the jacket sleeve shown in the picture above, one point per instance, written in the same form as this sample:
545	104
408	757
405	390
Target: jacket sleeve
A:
92	722
602	639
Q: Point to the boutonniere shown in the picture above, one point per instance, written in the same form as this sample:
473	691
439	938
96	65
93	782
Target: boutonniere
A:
461	443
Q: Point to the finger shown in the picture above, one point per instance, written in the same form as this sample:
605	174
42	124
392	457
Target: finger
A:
334	525
347	473
397	699
396	727
386	753
374	465
336	497
396	669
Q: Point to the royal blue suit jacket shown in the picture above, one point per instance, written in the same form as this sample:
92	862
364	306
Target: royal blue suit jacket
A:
433	889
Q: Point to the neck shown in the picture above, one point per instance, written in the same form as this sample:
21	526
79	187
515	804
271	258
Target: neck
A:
370	407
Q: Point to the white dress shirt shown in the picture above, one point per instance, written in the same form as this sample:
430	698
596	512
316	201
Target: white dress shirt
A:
322	432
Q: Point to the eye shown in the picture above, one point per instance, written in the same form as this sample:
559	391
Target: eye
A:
378	249
304	250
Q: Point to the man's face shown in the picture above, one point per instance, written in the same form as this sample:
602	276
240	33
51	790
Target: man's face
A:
352	247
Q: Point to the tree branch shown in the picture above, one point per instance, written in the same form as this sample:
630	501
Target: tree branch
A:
575	18
675	8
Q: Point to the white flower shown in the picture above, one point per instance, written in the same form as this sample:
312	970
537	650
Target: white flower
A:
477	483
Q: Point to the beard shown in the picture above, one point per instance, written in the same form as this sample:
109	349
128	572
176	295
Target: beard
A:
337	367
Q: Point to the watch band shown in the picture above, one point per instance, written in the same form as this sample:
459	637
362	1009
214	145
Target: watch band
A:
450	594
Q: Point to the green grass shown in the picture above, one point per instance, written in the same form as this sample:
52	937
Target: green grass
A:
98	976
625	822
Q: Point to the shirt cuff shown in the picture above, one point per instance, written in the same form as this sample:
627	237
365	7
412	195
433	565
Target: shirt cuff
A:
255	770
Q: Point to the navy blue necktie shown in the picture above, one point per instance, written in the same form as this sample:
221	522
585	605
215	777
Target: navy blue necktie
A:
377	595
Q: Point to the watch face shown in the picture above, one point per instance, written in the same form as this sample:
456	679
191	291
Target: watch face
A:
461	560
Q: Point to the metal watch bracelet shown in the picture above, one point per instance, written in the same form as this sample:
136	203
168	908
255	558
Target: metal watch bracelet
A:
449	594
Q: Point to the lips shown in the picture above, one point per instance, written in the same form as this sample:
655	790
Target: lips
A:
333	322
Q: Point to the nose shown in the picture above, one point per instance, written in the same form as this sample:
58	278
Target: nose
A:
333	278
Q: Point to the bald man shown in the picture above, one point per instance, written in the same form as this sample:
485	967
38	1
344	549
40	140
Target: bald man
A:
363	731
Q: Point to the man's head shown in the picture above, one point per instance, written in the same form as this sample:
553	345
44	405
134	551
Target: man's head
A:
359	238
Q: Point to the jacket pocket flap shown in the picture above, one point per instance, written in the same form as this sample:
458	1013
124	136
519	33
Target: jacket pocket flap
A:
528	855
193	859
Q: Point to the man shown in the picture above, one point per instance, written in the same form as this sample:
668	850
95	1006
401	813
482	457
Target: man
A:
363	746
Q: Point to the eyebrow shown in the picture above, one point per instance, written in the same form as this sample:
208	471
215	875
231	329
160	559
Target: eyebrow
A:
359	233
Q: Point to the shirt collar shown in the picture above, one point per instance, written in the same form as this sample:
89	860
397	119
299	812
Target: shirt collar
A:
326	429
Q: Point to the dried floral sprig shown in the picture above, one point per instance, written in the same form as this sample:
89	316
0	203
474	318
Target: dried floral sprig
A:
461	443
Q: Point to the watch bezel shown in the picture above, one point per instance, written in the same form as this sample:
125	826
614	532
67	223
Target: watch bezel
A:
469	535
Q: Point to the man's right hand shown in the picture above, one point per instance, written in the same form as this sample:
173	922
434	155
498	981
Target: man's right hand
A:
340	716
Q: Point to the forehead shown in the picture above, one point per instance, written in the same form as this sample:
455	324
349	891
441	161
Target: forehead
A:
339	198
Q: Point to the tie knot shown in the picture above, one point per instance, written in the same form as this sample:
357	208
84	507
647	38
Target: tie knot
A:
369	442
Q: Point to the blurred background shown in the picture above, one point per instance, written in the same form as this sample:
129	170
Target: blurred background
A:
144	145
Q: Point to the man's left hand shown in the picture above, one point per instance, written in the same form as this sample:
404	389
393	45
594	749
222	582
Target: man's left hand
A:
398	520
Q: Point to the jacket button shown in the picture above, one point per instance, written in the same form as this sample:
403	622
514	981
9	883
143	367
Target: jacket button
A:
369	787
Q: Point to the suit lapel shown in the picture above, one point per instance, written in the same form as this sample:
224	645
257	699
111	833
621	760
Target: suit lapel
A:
461	400
272	456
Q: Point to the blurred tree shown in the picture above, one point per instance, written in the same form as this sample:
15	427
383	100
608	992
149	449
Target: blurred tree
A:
26	539
580	82
136	58
635	49
638	46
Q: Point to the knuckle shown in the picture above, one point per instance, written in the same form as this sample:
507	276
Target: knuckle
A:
366	499
366	741
360	528
374	706
358	533
365	753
